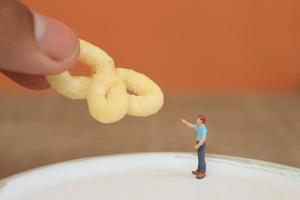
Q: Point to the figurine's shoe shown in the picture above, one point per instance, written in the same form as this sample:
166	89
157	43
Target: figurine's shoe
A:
200	175
195	172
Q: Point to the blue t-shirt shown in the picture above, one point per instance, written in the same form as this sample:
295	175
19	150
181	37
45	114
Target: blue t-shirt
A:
201	132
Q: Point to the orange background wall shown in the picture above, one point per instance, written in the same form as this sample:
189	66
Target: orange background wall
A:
192	45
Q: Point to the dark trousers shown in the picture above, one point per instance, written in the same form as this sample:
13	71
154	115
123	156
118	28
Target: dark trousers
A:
201	158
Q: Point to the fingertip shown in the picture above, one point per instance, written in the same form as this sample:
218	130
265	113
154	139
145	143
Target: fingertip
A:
34	44
57	41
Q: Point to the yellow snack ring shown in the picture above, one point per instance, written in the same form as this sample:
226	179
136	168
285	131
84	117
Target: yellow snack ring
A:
76	87
106	94
107	99
94	57
147	98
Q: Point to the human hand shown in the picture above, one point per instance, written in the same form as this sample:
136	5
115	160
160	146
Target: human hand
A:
183	120
32	45
196	147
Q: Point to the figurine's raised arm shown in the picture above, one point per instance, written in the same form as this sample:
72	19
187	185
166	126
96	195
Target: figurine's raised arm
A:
188	124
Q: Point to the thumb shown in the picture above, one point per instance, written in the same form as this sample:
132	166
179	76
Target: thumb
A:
57	41
34	44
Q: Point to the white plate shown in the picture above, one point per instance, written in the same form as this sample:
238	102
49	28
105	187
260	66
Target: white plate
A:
154	176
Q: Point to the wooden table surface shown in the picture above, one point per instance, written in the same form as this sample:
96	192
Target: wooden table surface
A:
39	130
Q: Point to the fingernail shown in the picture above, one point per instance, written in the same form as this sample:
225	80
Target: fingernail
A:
55	39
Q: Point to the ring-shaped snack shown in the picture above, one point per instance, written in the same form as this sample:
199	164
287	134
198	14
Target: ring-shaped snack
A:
106	90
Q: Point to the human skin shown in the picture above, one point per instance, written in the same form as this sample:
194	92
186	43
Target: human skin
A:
32	45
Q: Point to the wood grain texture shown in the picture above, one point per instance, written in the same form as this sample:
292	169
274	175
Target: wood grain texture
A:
39	130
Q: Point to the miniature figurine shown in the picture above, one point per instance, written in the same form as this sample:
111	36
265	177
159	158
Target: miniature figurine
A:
200	144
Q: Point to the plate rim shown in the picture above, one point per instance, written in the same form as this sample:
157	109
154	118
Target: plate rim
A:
236	159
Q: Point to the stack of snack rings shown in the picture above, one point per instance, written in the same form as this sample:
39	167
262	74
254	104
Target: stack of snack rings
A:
106	91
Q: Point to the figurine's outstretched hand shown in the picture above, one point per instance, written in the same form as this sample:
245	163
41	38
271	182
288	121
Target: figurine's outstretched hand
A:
188	124
32	45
